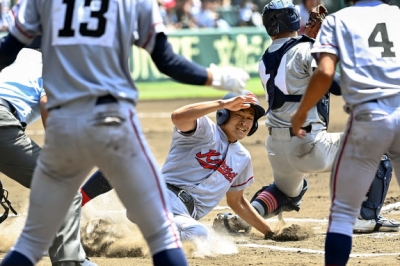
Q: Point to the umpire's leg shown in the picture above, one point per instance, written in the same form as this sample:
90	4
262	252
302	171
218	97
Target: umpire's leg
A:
18	155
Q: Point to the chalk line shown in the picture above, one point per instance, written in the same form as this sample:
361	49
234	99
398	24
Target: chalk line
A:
313	251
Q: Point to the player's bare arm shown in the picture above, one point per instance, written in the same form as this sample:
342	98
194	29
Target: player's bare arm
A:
242	207
184	118
319	84
43	110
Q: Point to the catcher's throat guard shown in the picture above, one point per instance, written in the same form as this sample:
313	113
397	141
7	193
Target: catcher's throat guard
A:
5	203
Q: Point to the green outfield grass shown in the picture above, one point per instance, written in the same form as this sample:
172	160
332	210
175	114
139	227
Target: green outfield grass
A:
172	90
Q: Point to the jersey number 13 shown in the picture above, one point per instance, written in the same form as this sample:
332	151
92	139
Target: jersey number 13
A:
90	22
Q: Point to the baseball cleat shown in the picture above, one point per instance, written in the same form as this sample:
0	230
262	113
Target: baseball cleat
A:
379	225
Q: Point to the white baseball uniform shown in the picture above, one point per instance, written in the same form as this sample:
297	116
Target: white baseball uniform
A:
366	40
207	166
92	119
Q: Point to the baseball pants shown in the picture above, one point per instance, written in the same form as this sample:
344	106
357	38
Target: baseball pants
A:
18	156
188	227
372	130
291	157
79	136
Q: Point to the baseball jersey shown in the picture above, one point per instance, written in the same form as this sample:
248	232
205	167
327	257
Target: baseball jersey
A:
22	86
85	40
366	39
292	78
206	165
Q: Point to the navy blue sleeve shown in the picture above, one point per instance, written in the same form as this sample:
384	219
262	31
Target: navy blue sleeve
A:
96	185
9	49
176	66
335	87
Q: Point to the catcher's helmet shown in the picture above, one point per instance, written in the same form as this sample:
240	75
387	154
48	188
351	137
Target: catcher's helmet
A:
279	16
223	114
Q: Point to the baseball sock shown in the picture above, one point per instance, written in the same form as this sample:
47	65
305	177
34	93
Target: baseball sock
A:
337	249
265	203
170	257
96	185
15	258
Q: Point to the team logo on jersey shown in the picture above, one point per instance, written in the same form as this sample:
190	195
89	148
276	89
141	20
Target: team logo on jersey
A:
207	162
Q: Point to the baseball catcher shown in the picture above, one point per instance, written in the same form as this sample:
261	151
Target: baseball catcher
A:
291	157
5	203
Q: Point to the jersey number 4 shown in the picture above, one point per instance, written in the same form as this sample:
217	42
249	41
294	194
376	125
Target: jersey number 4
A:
68	31
385	43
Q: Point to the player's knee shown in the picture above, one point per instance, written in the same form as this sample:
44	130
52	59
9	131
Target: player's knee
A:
194	231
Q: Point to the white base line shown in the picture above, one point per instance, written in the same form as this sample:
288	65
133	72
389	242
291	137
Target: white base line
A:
304	250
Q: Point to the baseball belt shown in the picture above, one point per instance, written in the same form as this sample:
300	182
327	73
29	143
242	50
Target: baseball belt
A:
100	100
184	196
307	129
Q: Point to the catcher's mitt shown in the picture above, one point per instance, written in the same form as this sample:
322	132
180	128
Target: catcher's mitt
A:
317	15
233	224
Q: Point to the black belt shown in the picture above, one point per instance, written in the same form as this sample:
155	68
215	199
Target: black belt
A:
106	99
9	106
100	100
184	196
307	129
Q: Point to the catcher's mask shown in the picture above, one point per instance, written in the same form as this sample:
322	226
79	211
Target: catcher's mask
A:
5	203
223	114
280	16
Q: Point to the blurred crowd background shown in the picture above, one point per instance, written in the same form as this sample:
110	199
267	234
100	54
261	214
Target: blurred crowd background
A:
224	14
221	14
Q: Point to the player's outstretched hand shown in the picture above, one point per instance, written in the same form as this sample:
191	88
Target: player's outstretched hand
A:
240	102
297	119
229	78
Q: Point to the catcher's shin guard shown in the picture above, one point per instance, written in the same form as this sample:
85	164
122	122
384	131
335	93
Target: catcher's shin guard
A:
376	195
5	203
270	201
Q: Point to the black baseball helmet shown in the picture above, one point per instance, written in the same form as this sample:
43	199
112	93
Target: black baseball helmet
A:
279	16
223	114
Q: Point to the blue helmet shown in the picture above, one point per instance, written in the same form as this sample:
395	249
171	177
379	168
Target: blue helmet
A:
223	114
279	16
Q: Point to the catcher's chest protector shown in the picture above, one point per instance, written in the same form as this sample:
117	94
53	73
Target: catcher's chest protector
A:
276	98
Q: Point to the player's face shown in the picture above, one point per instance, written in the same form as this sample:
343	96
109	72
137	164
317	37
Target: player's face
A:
239	124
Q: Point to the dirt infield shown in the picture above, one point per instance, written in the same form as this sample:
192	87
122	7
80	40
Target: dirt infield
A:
104	224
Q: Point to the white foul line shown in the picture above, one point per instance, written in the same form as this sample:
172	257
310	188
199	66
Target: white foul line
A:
313	251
